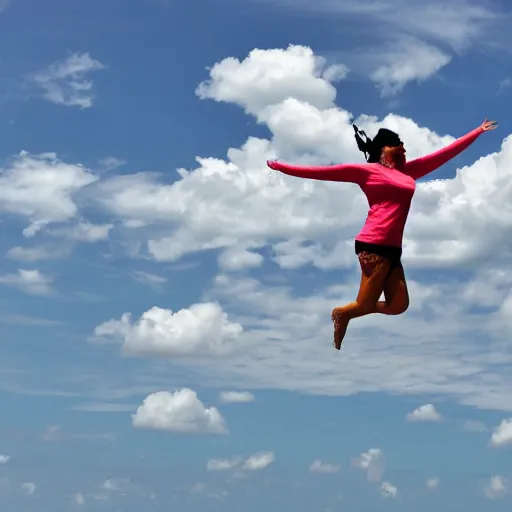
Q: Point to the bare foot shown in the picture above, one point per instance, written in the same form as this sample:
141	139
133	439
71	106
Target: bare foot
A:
340	326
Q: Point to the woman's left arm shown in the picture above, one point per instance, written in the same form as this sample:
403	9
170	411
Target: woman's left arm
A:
424	165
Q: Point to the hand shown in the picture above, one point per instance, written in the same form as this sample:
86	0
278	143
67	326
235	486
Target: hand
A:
273	164
487	126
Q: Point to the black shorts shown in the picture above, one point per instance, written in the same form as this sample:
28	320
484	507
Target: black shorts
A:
391	253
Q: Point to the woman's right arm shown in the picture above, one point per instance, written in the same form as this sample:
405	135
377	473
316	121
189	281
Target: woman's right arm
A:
351	173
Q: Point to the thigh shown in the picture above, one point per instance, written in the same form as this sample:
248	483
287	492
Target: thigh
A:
395	287
374	273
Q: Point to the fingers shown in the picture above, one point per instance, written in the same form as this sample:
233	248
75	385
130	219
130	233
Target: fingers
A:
489	125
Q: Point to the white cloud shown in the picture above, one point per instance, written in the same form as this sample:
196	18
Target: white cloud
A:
502	435
504	84
425	412
295	72
373	462
433	483
388	491
29	488
237	259
65	81
495	488
234	397
110	163
117	485
320	467
41	188
259	461
202	329
238	203
78	499
410	60
150	279
207	214
462	23
222	464
4	459
37	253
255	462
84	232
178	412
31	282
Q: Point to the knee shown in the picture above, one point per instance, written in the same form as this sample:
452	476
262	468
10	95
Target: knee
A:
399	308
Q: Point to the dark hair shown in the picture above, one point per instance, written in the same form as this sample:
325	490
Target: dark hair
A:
372	149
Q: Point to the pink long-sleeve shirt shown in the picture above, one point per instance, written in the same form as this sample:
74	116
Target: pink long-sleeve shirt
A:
389	192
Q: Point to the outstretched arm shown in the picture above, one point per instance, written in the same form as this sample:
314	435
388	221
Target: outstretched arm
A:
351	173
421	166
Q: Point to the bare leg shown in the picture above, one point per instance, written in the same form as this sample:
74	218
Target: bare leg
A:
396	294
374	274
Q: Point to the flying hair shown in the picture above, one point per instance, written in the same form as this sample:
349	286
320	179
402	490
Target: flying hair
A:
372	148
367	146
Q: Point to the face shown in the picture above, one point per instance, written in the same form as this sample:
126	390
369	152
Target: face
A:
395	155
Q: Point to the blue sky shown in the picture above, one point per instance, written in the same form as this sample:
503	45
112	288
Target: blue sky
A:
165	298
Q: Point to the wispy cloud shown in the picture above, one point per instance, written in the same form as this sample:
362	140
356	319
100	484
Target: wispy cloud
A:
457	24
65	81
406	41
236	397
31	282
149	279
30	320
496	488
42	189
37	253
506	83
110	163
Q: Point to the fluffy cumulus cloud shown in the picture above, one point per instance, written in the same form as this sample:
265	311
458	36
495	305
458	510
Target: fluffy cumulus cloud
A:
424	413
203	329
259	461
65	81
178	412
373	463
4	459
388	490
261	207
199	212
41	188
502	435
250	216
318	466
255	462
268	77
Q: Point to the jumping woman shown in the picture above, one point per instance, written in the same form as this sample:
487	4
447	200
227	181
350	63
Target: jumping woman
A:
389	183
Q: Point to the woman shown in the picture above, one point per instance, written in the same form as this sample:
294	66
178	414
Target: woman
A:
389	183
